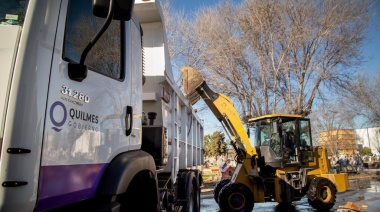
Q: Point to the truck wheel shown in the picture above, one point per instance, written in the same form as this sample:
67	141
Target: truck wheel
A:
197	182
218	187
191	204
141	194
197	193
321	194
236	197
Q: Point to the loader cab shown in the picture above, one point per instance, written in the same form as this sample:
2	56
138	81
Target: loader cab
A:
282	140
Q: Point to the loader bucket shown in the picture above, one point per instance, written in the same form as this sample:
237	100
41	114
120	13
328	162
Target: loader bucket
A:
192	81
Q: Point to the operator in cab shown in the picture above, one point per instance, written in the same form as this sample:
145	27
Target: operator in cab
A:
289	144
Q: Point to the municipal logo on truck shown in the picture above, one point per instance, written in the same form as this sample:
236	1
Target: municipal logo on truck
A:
78	119
57	119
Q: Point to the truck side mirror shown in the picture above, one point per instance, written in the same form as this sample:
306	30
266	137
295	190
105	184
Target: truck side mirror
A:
111	10
123	9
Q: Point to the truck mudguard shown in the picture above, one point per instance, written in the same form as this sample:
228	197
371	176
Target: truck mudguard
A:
122	169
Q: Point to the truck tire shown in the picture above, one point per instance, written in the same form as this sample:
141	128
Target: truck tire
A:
236	197
219	187
189	190
191	204
130	177
321	194
197	196
141	195
197	182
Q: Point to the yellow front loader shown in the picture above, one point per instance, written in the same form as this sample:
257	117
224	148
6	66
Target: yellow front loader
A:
275	157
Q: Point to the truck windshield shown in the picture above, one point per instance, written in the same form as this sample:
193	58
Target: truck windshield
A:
12	12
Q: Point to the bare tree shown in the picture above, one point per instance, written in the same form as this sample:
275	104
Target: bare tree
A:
330	122
276	56
185	47
183	43
362	98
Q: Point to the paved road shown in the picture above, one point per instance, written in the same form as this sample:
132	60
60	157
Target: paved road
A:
362	192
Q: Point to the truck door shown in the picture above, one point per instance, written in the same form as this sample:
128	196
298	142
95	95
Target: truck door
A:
86	122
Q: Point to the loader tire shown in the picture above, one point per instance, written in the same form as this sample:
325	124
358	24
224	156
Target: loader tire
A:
321	194
236	197
219	187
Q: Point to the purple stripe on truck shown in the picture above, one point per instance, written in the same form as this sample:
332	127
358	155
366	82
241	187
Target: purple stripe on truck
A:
62	185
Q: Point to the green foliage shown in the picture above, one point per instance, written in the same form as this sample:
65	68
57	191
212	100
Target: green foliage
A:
215	145
366	151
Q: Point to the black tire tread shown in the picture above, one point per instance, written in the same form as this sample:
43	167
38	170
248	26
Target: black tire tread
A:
230	188
219	187
314	198
192	196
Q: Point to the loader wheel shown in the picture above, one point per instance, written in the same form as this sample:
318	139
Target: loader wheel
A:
219	187
321	194
236	197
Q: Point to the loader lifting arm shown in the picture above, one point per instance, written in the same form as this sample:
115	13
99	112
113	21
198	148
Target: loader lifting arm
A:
246	171
222	107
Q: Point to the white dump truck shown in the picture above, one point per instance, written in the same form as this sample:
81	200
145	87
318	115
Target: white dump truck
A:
87	122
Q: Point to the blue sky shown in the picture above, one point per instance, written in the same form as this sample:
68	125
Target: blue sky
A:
371	50
193	5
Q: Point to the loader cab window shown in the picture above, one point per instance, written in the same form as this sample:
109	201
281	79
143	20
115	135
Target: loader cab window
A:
265	135
269	137
251	132
81	26
305	137
288	132
305	142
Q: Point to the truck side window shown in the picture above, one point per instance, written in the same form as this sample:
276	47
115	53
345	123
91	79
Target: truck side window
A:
81	26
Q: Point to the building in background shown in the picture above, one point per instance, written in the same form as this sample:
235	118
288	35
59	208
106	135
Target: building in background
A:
340	142
369	137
